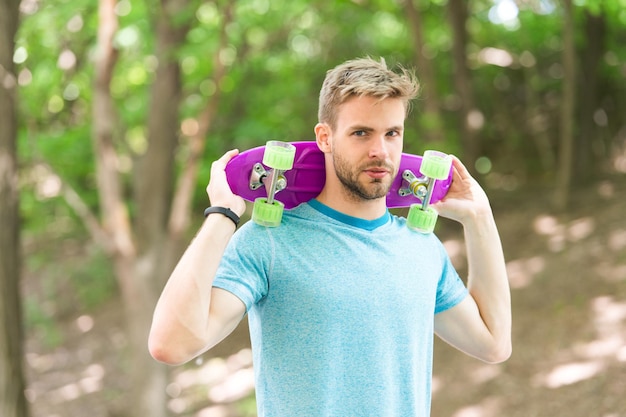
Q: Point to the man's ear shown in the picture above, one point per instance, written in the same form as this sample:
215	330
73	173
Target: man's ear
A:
322	137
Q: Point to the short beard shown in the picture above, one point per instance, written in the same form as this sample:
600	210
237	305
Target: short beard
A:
350	180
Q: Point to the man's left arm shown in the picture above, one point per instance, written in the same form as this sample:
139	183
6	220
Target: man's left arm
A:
481	324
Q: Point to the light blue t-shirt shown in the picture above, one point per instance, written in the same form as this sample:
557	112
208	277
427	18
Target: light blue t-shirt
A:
341	312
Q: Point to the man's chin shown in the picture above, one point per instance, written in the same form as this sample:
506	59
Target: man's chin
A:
376	190
368	190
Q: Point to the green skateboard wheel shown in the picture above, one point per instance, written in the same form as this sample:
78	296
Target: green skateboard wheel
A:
436	165
279	155
420	220
267	214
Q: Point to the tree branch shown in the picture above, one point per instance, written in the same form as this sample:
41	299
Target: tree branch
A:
181	206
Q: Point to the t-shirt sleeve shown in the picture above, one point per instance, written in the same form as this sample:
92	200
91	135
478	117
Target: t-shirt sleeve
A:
244	268
451	290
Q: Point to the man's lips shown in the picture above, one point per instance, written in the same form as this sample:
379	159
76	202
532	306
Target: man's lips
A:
376	172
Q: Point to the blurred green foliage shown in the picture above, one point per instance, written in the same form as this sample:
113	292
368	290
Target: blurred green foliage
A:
276	56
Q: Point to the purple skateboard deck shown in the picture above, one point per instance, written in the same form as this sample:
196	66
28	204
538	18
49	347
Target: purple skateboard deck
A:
306	179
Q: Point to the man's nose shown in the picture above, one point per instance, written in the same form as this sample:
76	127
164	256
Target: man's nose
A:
379	148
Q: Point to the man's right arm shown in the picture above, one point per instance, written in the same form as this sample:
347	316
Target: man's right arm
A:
191	316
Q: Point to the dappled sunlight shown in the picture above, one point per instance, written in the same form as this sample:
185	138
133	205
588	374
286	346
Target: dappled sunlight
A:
485	373
475	375
40	363
617	240
550	227
436	384
559	234
47	183
214	370
567	272
619	161
570	373
580	229
609	317
84	323
522	272
490	407
591	358
601	348
216	382
546	225
606	189
235	387
215	411
608	269
91	380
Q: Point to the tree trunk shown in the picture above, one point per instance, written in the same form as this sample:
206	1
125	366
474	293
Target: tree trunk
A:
148	379
431	117
114	213
153	182
568	97
155	171
12	381
536	124
469	113
144	252
591	60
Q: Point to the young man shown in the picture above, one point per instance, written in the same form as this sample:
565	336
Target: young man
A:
343	299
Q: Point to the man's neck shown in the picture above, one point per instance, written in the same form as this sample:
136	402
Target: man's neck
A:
344	202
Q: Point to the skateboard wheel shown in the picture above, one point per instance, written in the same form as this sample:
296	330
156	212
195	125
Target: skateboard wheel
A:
436	165
279	155
421	220
267	214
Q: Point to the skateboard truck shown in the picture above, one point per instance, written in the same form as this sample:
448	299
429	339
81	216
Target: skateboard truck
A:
435	166
413	185
278	156
259	176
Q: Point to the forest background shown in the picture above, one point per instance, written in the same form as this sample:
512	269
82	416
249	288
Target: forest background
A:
111	112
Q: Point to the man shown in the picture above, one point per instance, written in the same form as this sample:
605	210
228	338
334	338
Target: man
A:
343	299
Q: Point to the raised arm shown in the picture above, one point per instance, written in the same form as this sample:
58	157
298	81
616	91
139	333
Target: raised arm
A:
481	324
191	316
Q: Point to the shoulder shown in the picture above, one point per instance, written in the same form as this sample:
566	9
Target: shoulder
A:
399	225
293	221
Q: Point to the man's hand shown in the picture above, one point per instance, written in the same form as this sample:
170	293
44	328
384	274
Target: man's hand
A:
218	189
465	199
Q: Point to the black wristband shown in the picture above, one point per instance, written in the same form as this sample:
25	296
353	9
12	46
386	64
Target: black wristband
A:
223	210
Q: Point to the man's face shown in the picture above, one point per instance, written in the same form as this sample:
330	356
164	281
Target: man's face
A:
367	145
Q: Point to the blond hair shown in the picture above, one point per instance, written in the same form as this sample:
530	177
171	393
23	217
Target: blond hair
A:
364	77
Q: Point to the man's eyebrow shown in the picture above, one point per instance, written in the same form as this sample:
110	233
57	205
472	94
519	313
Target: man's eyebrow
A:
364	128
361	127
